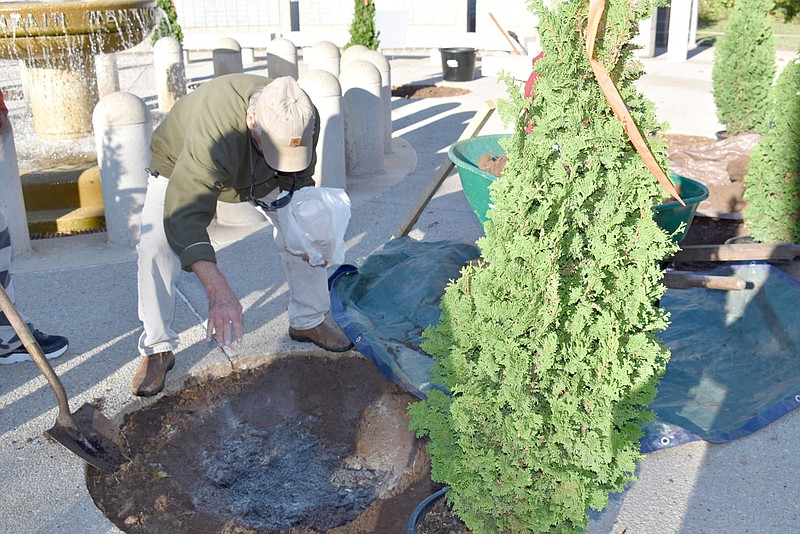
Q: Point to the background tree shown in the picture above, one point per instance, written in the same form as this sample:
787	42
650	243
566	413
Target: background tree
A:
362	28
548	348
772	182
744	67
169	26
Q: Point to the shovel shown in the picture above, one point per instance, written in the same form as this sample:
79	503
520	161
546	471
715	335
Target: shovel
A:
87	432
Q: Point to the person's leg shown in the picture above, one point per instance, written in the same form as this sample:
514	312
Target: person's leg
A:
11	349
308	287
309	300
158	272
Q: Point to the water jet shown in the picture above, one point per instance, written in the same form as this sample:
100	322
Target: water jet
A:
56	44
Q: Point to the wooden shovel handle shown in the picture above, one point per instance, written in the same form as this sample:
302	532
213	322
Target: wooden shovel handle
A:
505	34
33	348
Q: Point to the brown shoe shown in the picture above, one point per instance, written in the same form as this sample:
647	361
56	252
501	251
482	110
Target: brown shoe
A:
326	335
149	378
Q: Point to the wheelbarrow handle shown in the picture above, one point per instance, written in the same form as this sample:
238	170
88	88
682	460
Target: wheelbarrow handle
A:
33	348
688	280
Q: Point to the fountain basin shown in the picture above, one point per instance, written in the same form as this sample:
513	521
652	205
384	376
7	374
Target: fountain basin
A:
56	44
50	30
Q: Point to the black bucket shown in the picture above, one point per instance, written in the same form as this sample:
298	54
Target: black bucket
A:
458	64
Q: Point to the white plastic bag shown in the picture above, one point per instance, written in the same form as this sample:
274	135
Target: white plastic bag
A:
314	223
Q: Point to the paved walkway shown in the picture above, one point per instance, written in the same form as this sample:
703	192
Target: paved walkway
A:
84	289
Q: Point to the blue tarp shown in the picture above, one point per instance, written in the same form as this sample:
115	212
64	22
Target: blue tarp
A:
735	364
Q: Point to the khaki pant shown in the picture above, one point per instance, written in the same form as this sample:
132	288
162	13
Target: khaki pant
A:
159	269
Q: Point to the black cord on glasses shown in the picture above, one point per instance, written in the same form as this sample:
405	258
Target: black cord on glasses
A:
277	203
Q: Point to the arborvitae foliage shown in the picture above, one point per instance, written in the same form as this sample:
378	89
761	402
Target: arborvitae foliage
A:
362	29
772	182
549	348
169	26
744	67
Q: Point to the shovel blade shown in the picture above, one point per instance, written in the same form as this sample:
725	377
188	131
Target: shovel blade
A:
94	438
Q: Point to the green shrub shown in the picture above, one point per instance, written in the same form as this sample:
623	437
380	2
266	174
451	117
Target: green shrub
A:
362	28
744	67
714	9
772	182
169	26
548	349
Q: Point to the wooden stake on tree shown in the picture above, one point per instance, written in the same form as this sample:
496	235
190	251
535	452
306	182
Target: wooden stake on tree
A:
614	99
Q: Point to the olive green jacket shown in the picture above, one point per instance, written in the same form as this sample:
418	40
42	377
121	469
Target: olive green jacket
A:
204	147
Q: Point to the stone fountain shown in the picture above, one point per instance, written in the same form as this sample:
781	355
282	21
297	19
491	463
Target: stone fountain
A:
56	44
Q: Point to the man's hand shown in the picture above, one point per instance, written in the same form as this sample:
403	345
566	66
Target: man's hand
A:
224	309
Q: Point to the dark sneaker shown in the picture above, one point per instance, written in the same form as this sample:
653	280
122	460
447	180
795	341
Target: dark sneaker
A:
152	373
52	347
326	335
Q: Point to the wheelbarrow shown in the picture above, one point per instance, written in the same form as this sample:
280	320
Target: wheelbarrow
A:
669	216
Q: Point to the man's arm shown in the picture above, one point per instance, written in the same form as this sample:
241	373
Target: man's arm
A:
224	309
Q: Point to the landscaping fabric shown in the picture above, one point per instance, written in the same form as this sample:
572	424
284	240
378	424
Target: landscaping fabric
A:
734	364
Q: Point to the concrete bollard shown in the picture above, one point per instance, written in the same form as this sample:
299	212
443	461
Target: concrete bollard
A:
363	118
324	55
282	58
105	65
11	199
170	72
325	92
123	127
227	57
351	54
382	64
248	56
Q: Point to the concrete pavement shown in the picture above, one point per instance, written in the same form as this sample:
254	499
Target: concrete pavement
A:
82	288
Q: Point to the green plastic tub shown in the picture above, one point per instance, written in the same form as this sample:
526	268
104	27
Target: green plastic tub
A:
475	183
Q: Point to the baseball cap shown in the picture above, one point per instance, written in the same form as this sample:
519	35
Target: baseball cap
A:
285	116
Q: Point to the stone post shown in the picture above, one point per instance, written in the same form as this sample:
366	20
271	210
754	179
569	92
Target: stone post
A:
324	55
107	74
680	15
248	56
382	64
11	199
646	37
170	72
363	118
325	92
282	58
351	54
227	57
123	127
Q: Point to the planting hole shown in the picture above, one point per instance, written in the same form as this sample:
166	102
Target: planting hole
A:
306	443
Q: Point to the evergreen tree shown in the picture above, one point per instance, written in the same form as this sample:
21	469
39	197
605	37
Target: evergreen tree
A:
362	28
744	67
772	182
169	26
548	348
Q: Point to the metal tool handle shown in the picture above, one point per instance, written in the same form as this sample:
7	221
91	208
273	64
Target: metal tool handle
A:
33	348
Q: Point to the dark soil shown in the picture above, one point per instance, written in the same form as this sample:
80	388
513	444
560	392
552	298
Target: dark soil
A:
304	445
427	91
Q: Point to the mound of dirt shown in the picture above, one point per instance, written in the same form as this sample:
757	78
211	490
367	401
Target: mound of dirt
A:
427	91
